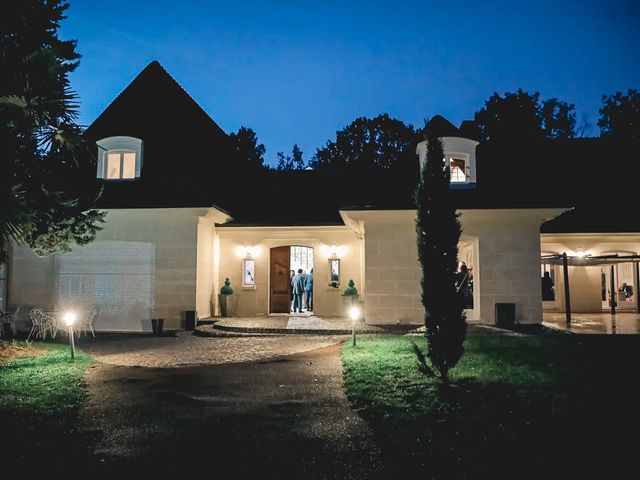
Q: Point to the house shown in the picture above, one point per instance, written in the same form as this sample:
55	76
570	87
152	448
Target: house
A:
184	214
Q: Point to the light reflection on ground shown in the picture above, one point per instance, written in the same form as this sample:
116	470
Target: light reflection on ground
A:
603	323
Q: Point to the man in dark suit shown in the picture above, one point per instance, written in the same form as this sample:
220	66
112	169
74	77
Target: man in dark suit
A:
298	291
308	290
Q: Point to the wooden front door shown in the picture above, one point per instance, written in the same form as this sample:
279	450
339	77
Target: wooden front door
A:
280	283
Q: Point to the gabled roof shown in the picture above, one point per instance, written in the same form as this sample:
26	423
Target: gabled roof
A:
184	151
442	127
469	129
188	161
153	85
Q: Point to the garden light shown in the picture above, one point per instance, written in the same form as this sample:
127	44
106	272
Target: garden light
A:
354	313
69	319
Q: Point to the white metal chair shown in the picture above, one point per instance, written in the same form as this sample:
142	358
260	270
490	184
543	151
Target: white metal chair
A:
41	323
87	322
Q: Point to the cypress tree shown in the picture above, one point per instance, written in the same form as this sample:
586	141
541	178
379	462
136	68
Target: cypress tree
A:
438	233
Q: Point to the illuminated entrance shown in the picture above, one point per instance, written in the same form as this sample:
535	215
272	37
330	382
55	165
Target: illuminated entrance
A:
285	263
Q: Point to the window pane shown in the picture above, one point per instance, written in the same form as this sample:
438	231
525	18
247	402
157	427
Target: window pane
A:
458	173
129	165
113	165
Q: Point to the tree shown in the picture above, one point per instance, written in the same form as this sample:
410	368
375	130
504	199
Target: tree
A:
620	115
291	162
246	142
47	187
438	233
522	116
366	143
558	119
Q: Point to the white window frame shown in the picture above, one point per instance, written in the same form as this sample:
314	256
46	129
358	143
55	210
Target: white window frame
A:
121	154
248	265
463	157
120	145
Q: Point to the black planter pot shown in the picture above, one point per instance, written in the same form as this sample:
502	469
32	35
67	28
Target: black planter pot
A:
157	325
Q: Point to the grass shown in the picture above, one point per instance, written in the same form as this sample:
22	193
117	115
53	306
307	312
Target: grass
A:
512	401
41	393
45	383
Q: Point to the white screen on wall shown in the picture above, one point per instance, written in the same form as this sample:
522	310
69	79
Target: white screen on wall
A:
117	276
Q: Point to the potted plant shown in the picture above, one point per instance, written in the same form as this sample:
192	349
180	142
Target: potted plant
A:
226	299
351	290
350	294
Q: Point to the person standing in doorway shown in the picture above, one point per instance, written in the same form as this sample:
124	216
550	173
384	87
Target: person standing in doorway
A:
463	286
298	291
308	290
292	274
547	288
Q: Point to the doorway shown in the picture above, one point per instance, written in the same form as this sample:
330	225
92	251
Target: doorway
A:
624	288
284	260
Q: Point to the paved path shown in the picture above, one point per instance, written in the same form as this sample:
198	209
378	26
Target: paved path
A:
283	417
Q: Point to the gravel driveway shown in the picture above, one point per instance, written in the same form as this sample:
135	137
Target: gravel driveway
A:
186	349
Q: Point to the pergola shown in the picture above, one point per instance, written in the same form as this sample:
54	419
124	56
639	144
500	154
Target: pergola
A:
588	261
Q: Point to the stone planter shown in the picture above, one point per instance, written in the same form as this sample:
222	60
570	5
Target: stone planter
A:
227	304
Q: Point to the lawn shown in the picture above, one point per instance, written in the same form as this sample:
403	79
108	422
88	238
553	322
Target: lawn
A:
42	379
514	404
41	392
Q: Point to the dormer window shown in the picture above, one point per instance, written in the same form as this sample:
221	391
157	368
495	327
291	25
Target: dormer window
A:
119	158
460	155
120	165
458	163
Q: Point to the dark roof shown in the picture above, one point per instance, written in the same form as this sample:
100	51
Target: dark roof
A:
442	127
188	161
469	129
287	198
595	219
595	177
185	153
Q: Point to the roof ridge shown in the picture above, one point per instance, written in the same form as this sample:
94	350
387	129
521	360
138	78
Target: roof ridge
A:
159	65
156	65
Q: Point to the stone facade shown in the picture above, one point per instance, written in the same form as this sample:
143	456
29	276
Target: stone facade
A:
506	252
253	301
169	235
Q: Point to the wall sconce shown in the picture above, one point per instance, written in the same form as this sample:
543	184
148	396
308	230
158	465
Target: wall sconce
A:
333	251
249	251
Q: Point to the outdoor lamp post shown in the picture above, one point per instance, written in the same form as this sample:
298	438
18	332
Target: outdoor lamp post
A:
354	313
69	319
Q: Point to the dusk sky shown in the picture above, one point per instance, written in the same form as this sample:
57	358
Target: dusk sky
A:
296	72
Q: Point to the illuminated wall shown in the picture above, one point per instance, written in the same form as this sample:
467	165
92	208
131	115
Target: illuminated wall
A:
117	276
143	265
254	300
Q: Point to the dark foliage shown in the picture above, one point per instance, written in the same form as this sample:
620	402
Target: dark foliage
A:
366	144
289	163
250	150
46	187
522	116
438	232
620	115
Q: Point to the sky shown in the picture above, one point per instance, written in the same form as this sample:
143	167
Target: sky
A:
298	71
